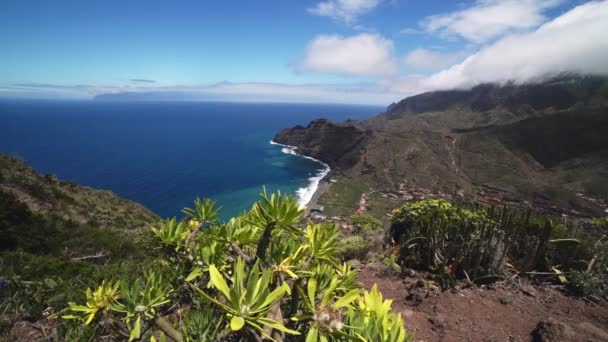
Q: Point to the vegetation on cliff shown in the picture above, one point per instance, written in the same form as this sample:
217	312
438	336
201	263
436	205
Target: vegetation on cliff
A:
45	194
59	236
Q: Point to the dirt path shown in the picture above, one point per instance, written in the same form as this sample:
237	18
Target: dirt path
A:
493	314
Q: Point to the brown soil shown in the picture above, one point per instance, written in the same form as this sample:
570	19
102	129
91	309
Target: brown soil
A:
492	313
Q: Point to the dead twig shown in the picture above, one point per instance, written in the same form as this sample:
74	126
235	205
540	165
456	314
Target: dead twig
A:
95	256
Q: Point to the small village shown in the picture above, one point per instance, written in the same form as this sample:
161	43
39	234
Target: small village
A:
486	197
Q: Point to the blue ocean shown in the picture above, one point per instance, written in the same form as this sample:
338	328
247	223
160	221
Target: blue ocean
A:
166	154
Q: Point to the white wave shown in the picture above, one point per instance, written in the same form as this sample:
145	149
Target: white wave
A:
289	151
306	193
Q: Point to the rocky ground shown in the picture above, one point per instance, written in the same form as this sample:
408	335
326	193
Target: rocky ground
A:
493	313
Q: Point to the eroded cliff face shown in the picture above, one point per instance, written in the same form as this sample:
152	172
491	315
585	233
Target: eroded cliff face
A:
546	141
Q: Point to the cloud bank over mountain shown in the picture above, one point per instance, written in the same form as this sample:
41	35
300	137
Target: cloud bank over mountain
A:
431	60
575	42
520	45
488	19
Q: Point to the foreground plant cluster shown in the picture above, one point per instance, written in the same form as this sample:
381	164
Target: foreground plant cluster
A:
259	276
483	245
265	275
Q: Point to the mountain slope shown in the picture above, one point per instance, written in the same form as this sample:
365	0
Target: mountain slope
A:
536	142
44	216
72	201
58	237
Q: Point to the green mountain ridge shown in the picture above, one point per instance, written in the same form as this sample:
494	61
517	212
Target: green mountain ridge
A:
532	142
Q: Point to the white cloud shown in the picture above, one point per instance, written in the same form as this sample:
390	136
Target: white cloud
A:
360	55
358	93
489	19
574	42
344	10
431	60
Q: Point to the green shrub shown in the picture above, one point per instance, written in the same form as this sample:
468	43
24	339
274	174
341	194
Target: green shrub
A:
463	241
583	283
504	299
354	247
592	279
365	223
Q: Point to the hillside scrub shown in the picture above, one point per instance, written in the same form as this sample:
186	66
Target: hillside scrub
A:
45	194
53	235
365	223
259	276
46	260
366	236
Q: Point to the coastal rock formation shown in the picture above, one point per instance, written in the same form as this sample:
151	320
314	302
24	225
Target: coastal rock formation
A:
338	145
543	142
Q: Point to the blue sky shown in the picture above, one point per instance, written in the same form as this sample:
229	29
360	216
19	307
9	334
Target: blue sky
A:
358	51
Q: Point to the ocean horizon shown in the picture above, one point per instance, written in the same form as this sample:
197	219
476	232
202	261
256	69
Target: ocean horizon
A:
164	155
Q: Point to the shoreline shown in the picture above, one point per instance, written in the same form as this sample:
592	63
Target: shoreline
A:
321	189
317	183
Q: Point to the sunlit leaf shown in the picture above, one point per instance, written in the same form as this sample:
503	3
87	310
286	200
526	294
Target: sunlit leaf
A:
237	323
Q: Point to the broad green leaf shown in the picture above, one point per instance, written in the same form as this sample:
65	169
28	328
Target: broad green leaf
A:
313	335
49	282
276	325
197	272
136	332
301	318
90	318
312	289
82	308
276	294
329	292
252	284
218	281
261	286
346	299
237	323
291	274
261	330
213	300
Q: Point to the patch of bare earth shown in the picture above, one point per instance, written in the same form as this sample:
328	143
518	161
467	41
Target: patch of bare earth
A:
493	313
